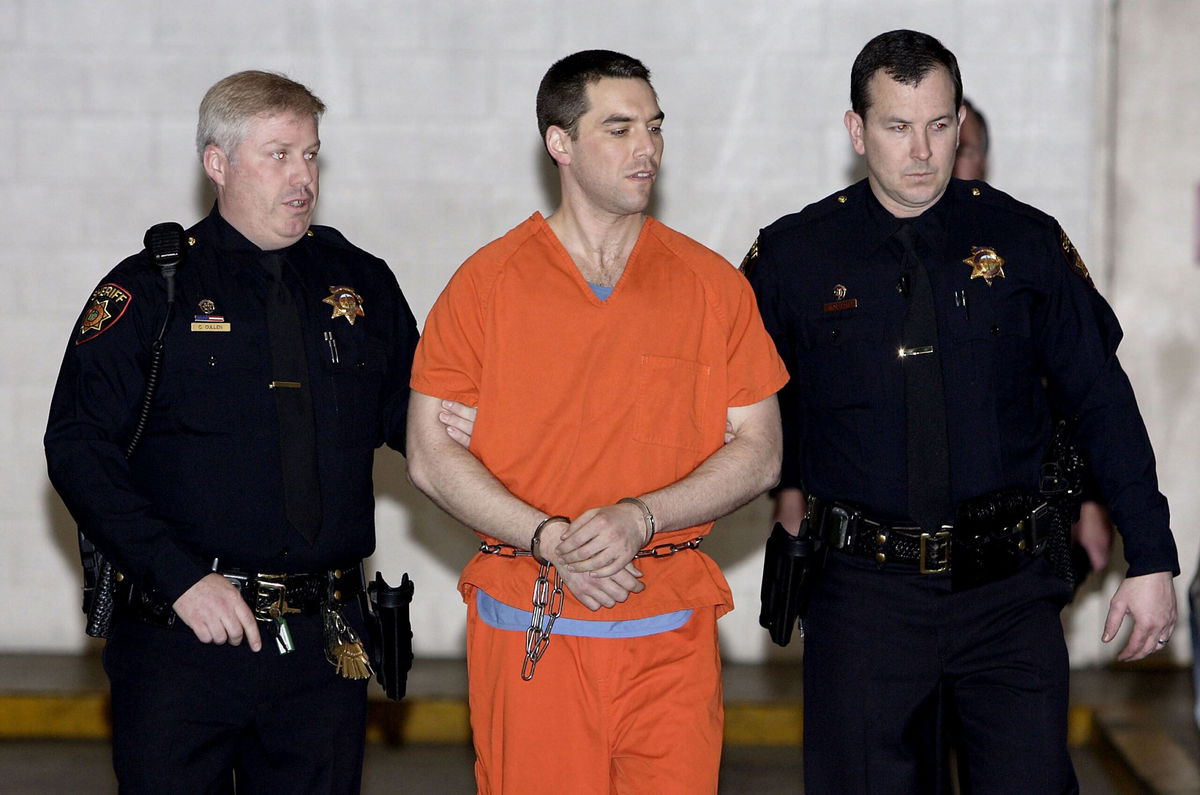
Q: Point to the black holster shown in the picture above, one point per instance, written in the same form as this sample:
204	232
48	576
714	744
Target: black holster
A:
385	610
790	565
99	589
994	534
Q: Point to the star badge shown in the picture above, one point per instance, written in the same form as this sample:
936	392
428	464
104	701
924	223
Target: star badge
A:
345	302
985	264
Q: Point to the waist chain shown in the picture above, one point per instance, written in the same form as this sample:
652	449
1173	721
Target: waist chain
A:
657	551
548	602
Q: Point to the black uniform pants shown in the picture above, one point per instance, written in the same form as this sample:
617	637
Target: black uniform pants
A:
886	647
189	716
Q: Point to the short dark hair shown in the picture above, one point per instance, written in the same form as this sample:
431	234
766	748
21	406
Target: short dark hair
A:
979	117
907	57
562	95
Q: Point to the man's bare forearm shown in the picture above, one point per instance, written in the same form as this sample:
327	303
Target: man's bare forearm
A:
460	485
463	487
732	476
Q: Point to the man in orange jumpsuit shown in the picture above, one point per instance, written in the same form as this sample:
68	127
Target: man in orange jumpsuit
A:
608	355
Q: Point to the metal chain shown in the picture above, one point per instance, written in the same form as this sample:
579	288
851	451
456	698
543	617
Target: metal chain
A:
658	551
537	639
504	550
667	550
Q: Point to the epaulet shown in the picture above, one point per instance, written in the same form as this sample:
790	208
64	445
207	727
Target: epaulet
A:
816	211
973	190
831	205
329	236
110	301
977	191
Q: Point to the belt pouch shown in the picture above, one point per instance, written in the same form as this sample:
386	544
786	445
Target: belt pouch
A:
984	546
390	629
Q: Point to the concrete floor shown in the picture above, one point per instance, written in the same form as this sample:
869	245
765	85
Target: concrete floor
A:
1138	722
82	767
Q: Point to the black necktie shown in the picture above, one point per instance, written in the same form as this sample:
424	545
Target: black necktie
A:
293	399
925	401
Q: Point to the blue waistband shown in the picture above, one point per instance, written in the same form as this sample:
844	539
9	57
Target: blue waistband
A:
501	616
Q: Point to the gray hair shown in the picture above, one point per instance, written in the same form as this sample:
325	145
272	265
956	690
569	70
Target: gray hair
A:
229	107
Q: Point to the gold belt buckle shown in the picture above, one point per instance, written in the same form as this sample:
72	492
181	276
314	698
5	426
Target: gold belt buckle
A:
270	597
942	537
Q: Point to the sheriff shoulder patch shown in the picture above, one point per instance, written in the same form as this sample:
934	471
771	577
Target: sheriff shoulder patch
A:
750	260
106	306
1071	255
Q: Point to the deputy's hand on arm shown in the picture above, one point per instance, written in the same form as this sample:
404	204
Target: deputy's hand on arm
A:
790	507
459	420
592	589
1149	600
215	611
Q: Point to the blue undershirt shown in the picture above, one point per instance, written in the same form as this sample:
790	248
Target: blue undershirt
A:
601	291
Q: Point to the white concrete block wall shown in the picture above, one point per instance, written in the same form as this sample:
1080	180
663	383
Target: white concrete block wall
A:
431	150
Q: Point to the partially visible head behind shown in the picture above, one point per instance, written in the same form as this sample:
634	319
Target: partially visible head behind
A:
562	95
905	56
971	161
232	105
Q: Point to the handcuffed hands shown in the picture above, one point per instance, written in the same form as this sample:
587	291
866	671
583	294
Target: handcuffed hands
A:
603	540
594	588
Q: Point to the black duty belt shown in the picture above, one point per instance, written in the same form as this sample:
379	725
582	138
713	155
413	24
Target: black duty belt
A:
846	528
268	595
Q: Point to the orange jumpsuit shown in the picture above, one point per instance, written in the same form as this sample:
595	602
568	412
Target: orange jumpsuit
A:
583	402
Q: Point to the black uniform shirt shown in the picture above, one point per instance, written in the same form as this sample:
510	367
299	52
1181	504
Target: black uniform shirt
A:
1037	342
206	480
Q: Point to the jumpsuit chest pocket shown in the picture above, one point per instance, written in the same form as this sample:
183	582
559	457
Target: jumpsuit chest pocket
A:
672	395
843	357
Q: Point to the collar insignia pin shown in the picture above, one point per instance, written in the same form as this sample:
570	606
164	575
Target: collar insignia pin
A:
840	302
